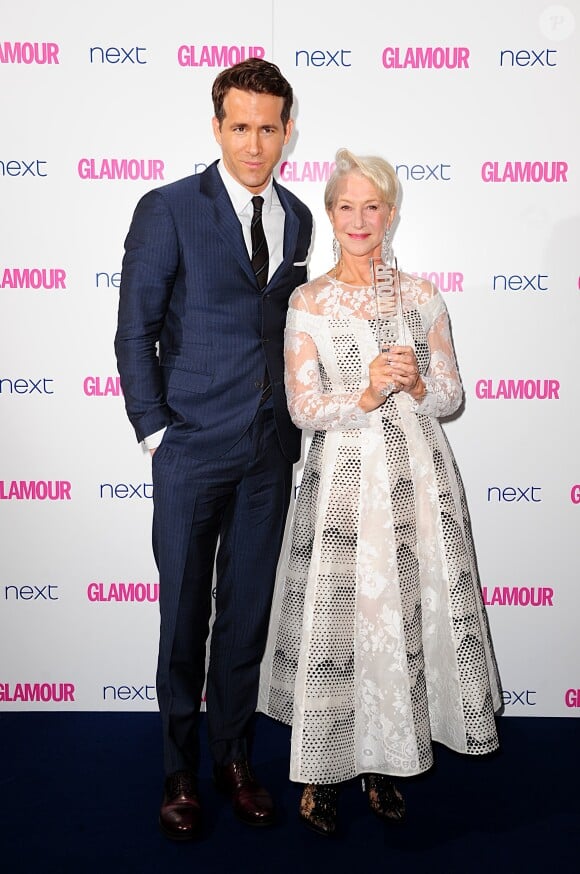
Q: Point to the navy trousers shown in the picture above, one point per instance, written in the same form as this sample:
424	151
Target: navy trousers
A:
229	511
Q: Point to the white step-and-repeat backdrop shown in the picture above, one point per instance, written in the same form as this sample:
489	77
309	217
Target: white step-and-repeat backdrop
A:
475	104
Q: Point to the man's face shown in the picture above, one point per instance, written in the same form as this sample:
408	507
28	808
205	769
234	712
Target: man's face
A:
251	136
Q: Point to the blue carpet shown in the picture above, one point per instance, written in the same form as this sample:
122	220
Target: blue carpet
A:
80	793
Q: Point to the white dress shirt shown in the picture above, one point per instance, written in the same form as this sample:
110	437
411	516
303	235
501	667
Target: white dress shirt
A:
272	216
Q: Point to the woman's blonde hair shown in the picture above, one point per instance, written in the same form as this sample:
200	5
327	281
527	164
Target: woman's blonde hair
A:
375	169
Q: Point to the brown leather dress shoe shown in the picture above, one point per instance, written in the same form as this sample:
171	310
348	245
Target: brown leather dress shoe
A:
180	815
251	802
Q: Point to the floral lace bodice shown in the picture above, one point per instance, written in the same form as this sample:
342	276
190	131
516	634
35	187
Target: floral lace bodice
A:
331	338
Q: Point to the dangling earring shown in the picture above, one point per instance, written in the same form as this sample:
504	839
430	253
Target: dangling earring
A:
336	251
337	254
386	248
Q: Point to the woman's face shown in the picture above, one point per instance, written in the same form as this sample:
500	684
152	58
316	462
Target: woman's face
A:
360	216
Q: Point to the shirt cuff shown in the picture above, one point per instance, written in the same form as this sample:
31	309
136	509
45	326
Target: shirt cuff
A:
153	440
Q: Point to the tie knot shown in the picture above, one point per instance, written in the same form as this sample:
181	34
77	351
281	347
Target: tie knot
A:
257	202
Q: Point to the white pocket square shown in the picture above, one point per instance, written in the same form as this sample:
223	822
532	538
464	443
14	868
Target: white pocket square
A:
299	264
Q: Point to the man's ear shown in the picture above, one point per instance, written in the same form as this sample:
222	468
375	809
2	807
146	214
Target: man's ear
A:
289	129
216	130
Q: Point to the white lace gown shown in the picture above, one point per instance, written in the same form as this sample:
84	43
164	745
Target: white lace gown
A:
378	643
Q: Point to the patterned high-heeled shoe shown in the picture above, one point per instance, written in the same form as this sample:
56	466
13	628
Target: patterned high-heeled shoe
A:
318	807
385	800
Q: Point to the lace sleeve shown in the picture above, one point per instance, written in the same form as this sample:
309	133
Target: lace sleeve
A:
444	389
310	407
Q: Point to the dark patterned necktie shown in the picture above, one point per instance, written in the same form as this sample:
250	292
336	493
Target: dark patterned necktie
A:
260	260
259	245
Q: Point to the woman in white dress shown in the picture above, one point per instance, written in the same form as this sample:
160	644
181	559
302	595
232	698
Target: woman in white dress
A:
379	643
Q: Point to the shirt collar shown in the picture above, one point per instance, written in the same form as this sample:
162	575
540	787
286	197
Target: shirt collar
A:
241	198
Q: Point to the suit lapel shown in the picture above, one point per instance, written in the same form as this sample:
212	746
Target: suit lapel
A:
227	223
291	227
224	218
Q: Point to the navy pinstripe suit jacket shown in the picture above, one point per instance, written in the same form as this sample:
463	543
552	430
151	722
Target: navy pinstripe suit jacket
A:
194	332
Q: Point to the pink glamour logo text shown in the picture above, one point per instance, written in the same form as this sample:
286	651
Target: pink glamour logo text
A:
216	56
37	278
306	171
518	389
444	281
35	490
102	386
29	53
518	596
524	171
120	168
123	592
45	692
426	58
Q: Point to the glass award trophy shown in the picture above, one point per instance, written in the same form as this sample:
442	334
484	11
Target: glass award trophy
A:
391	328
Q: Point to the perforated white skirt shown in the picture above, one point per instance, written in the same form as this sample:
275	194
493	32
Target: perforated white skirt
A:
379	642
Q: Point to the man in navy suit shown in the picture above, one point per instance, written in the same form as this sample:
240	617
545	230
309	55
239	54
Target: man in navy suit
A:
207	273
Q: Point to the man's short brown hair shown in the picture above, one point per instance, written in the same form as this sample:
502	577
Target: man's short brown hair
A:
257	75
